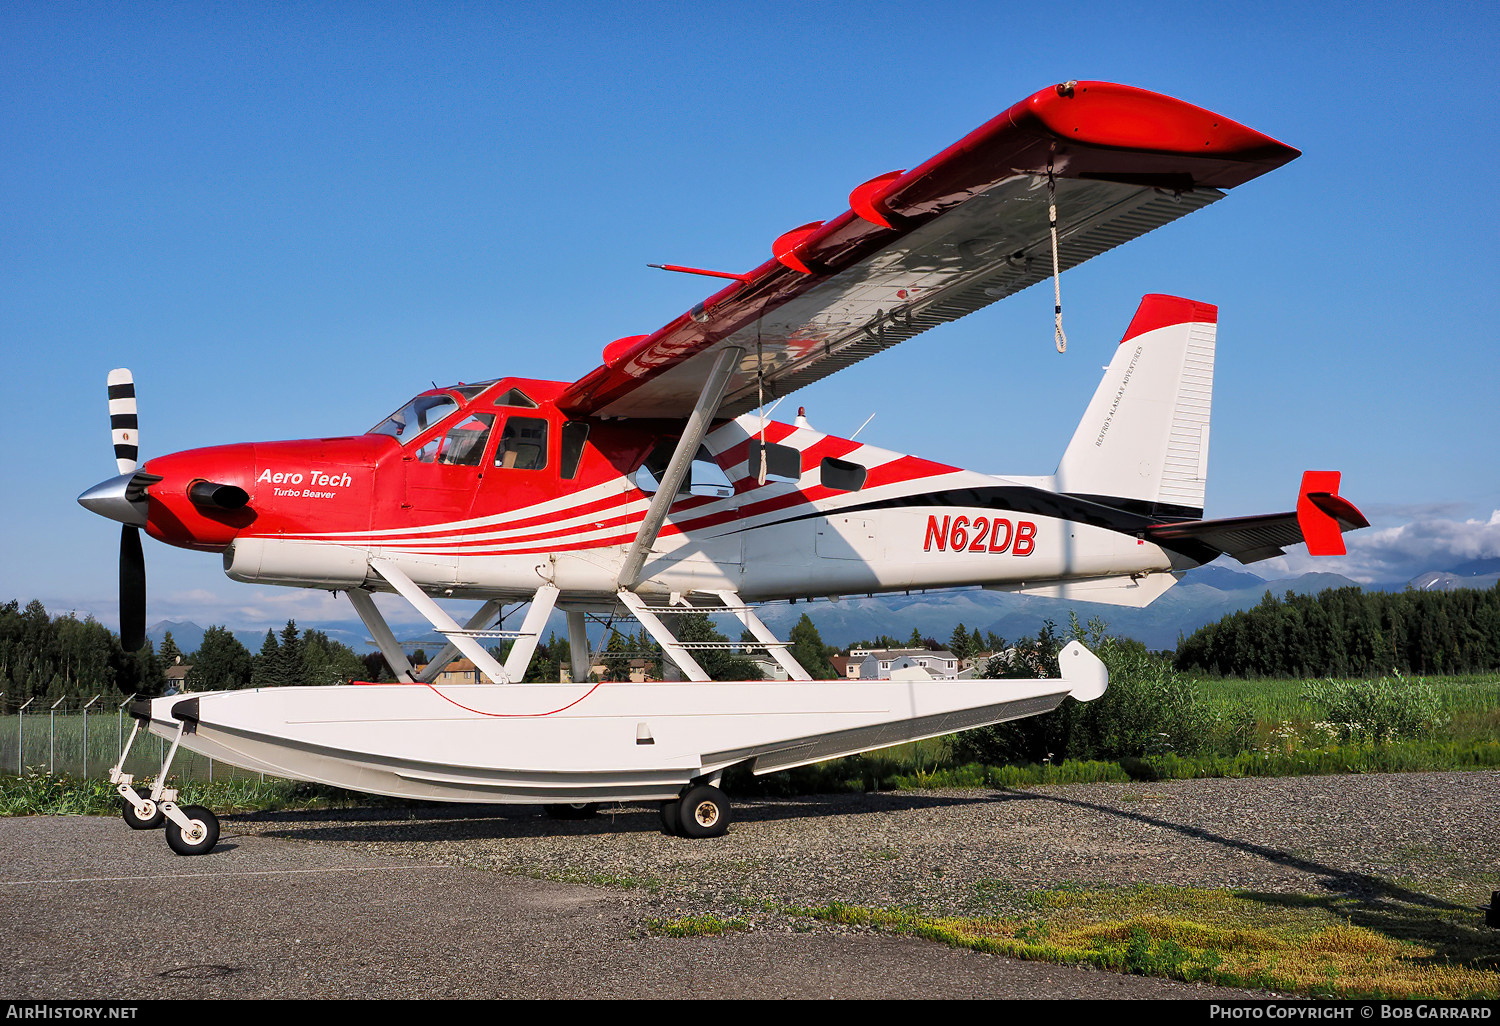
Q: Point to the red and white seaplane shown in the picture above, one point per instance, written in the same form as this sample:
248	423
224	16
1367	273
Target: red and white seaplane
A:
654	484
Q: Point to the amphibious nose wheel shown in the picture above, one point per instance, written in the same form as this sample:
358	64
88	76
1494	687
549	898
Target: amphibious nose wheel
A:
200	834
153	818
191	829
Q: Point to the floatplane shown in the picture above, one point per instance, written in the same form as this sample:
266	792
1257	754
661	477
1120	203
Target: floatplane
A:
655	484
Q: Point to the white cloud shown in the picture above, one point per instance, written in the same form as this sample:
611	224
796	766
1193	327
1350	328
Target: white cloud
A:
1379	555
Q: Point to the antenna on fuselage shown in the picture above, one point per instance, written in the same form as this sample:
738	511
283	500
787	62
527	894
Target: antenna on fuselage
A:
861	427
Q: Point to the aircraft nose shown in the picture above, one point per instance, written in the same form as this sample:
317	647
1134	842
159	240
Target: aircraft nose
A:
121	498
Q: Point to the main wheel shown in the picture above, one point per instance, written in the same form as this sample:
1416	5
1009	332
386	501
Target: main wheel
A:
670	824
572	810
704	812
136	822
202	835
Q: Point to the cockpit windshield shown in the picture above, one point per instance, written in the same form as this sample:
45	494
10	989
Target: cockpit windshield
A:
415	417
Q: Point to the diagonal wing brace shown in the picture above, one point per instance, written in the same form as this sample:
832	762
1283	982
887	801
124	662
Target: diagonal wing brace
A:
465	640
682	461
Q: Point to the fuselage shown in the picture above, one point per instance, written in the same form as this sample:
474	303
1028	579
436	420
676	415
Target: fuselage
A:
486	492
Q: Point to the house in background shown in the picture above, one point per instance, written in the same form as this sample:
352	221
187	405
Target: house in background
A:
460	671
877	663
176	678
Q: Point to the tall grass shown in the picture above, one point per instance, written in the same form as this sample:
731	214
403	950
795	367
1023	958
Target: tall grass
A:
39	793
56	744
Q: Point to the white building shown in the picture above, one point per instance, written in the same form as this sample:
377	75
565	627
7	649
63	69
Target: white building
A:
877	663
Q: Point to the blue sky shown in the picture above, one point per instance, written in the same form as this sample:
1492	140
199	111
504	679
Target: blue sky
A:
286	219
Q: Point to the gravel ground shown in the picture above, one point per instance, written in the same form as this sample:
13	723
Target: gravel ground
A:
93	910
1421	838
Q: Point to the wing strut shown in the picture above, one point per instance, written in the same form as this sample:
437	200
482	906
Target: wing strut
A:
671	647
777	650
682	461
482	620
466	639
395	655
578	645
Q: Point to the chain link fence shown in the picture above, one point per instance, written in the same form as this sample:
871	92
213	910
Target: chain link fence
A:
83	738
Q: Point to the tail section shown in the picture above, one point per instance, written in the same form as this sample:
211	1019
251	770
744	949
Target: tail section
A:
1143	441
1321	519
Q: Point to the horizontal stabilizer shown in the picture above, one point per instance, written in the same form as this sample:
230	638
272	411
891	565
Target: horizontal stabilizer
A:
1247	539
1321	518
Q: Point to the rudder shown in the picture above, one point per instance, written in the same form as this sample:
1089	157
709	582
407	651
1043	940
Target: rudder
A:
1143	441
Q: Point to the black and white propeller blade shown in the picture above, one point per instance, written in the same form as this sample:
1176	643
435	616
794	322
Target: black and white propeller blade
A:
132	590
124	499
123	425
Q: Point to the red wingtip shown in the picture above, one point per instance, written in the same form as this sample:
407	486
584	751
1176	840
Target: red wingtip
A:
1157	311
1324	515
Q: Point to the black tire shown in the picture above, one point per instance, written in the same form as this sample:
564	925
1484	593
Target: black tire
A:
704	812
670	824
572	810
201	845
135	822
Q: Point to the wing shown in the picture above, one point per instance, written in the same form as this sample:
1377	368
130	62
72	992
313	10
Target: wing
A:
922	247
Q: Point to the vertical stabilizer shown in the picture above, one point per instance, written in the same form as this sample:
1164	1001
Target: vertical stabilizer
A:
1144	437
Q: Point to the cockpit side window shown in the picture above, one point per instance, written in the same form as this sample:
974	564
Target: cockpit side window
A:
523	444
463	445
574	434
415	417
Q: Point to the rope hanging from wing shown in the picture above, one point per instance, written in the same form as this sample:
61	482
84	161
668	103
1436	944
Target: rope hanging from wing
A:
1061	336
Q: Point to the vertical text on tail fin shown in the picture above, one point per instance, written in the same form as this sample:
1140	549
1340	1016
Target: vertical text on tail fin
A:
1143	441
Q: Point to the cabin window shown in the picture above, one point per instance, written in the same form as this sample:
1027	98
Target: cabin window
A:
574	434
463	445
516	397
648	477
704	477
523	444
708	478
415	417
783	463
841	475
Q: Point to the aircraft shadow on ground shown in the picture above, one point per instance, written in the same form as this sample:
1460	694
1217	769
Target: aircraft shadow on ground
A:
1362	899
414	821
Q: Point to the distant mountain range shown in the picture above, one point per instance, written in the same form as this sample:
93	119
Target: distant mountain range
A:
1203	596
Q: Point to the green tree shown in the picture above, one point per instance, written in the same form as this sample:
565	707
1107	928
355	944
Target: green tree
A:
808	649
718	663
292	670
266	671
328	662
616	658
170	654
221	662
958	643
